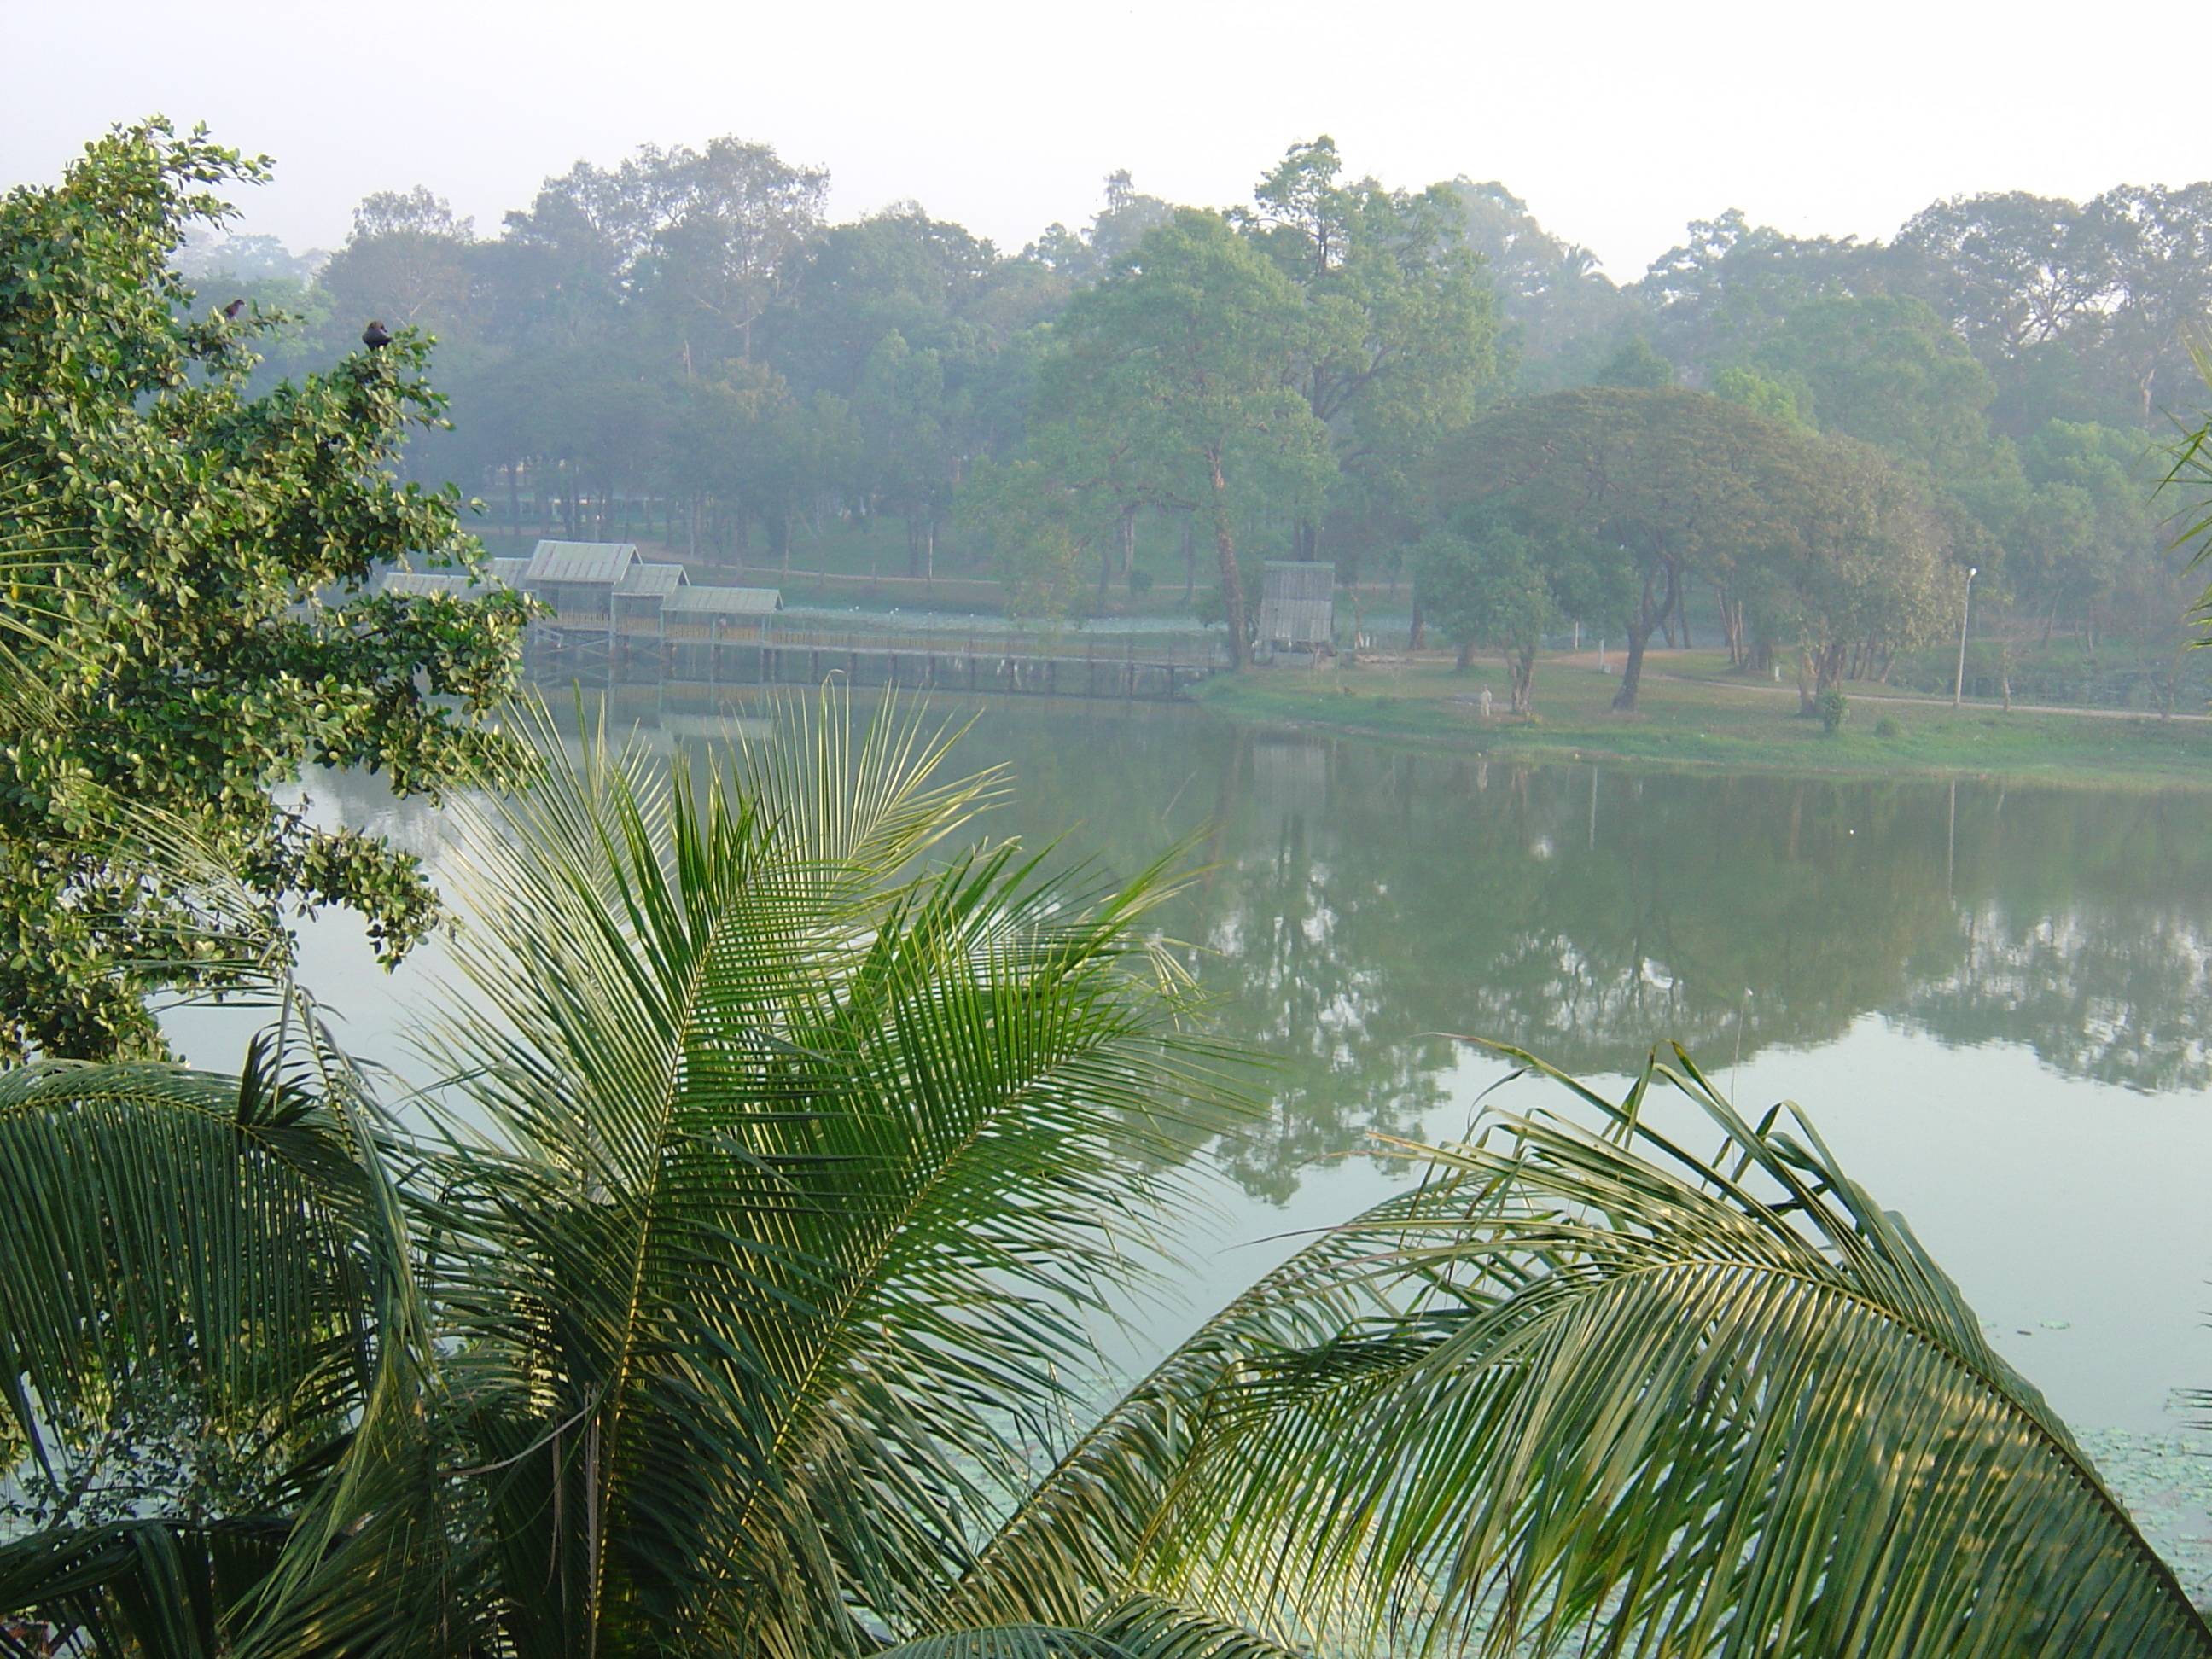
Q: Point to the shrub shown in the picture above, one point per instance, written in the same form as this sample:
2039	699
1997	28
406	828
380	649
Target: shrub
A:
1887	726
1833	708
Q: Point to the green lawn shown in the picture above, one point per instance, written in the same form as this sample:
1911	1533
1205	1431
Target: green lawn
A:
1691	714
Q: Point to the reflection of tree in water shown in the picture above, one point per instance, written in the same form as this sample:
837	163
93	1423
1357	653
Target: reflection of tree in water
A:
1364	899
2083	934
2120	999
1357	902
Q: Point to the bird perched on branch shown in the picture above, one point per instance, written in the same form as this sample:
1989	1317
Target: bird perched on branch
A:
374	338
233	311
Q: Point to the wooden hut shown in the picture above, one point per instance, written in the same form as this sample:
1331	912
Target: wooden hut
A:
639	599
577	580
718	616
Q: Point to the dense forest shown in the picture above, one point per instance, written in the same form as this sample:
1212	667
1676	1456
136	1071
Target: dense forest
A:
681	348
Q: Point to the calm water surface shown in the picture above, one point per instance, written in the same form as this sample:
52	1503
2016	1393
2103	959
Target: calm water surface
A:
1991	1002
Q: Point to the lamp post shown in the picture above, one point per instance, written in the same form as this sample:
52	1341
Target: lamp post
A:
1959	684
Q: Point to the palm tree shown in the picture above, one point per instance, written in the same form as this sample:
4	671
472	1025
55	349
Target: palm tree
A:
737	1303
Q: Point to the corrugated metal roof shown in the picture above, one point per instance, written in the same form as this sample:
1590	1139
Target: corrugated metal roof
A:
510	571
643	580
1299	579
454	583
1298	602
581	562
725	601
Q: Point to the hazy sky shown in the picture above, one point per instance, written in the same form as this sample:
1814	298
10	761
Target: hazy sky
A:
1617	123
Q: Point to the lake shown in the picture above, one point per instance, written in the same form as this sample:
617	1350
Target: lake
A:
1991	1002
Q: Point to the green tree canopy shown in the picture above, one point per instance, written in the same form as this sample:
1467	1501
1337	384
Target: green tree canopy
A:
1177	382
1682	481
1503	577
1865	569
1401	338
190	585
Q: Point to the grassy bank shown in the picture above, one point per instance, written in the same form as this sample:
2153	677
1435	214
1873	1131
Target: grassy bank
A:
1691	714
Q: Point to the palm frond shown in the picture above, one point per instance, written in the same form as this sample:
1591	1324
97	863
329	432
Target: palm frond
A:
1584	1390
233	1249
804	1164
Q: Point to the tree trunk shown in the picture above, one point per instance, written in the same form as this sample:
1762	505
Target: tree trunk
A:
1466	661
1416	630
1522	665
1225	553
1189	557
1631	670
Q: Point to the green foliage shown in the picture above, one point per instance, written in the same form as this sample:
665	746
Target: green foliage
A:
1887	372
1777	402
1504	576
1868	566
1400	336
1561	315
1833	708
1171	388
1637	367
191	561
1887	726
1038	536
1639	1400
1678	483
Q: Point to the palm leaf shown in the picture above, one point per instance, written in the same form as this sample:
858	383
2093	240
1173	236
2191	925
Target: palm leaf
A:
1584	1389
803	1165
234	1245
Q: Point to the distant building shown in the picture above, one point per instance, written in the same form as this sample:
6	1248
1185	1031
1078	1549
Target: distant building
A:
716	616
1297	607
639	596
455	584
577	580
610	589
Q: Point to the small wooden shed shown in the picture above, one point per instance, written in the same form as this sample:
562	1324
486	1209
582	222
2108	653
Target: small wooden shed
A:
1297	607
713	616
577	580
639	596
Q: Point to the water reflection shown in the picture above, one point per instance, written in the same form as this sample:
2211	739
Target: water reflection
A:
1856	946
1364	899
1356	902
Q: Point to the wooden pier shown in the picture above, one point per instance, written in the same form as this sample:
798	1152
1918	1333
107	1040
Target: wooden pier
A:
1013	667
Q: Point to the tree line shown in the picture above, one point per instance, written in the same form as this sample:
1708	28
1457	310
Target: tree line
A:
681	346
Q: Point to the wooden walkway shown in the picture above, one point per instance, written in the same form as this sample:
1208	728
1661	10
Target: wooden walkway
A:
1129	673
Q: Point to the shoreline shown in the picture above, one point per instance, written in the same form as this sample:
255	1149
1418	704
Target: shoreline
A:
1691	719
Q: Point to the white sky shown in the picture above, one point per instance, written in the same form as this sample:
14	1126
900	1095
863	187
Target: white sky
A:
1617	122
